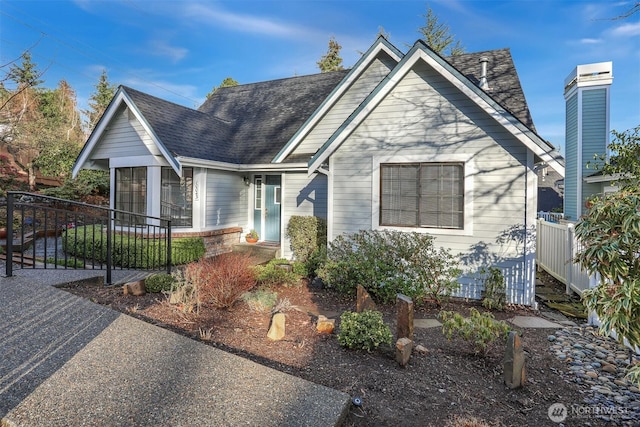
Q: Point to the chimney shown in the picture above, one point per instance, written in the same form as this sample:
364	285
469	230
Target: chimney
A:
484	85
587	109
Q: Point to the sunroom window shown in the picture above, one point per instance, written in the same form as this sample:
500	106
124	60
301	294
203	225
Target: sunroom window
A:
429	195
131	194
176	200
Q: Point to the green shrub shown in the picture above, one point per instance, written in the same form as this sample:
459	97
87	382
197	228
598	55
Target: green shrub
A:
69	262
363	331
479	329
159	282
307	234
91	242
390	262
494	296
261	300
315	262
272	274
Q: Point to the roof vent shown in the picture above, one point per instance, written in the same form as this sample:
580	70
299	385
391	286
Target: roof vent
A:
484	85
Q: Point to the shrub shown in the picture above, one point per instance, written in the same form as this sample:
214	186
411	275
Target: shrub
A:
390	262
222	280
479	329
91	242
159	282
69	262
307	234
494	289
363	331
261	300
273	274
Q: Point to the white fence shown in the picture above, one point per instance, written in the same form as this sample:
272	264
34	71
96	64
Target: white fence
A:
556	247
550	216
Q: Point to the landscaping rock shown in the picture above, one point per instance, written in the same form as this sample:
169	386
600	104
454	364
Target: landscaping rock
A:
363	300
514	366
276	331
421	349
403	351
324	325
404	306
134	288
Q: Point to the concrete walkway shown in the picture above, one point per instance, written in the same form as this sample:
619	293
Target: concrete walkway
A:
66	361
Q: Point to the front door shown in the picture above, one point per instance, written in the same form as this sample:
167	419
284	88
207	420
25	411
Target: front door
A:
272	202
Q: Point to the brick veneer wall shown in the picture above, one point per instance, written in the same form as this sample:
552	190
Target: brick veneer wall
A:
216	242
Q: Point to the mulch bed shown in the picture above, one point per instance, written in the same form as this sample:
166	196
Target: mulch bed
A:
447	384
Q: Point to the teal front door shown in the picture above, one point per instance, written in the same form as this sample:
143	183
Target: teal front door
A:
272	202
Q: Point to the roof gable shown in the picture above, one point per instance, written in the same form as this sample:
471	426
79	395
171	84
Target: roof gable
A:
381	47
420	52
122	97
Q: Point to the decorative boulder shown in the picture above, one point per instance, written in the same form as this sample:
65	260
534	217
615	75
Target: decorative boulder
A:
134	288
403	351
276	331
324	325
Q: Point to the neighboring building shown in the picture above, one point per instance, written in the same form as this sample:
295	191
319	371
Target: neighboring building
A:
586	93
550	190
402	141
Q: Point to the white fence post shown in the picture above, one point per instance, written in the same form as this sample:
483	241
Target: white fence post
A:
569	258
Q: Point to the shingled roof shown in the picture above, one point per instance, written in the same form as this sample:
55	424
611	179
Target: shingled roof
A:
250	123
502	77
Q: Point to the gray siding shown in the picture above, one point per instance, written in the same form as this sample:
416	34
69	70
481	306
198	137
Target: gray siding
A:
571	166
303	195
226	200
125	137
361	88
425	114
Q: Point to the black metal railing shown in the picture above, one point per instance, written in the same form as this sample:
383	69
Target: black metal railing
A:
48	232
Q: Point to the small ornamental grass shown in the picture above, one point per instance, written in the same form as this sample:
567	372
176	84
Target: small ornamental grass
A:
481	330
262	300
363	331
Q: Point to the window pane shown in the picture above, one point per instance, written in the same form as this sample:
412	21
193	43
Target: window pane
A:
442	195
399	195
131	194
422	195
176	200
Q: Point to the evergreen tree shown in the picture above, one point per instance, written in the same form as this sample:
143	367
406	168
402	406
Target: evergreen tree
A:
227	82
99	100
331	61
438	36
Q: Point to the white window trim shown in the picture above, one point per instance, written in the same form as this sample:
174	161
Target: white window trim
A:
469	171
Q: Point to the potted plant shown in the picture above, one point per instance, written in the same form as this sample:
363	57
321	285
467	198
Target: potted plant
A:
252	236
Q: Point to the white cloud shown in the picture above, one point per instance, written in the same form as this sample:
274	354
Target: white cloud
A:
241	22
161	48
590	41
627	30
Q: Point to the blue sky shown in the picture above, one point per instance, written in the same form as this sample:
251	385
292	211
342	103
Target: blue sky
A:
178	50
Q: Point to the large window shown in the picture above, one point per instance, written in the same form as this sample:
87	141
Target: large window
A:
176	200
422	195
131	193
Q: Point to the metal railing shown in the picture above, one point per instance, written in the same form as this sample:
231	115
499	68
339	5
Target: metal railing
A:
48	232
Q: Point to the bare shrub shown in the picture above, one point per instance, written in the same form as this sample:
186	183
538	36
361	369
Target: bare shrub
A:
222	280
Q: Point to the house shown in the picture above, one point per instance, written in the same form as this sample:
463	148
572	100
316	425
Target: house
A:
404	141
